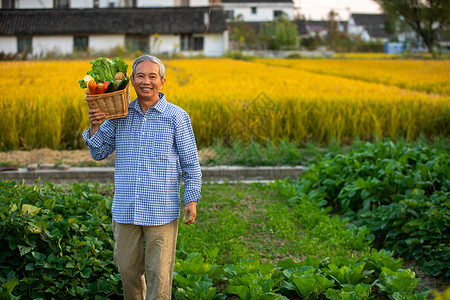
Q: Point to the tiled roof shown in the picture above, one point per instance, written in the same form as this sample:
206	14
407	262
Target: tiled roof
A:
373	23
177	20
368	19
378	33
317	25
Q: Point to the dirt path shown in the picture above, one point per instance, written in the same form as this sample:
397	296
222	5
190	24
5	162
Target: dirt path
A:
80	158
48	156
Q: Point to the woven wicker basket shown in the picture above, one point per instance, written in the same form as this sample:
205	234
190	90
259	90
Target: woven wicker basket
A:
114	105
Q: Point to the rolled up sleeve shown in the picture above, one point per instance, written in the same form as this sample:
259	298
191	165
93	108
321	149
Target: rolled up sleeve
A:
103	142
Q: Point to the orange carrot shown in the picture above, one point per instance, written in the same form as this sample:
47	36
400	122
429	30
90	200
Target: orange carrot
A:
100	88
92	86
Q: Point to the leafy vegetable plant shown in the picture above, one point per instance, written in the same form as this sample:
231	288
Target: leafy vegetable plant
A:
56	242
398	191
400	284
104	69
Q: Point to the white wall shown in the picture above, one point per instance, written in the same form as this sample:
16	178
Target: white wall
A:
165	44
8	44
155	3
34	4
264	11
42	45
106	42
104	3
39	4
215	44
357	30
199	3
354	29
169	3
82	3
365	35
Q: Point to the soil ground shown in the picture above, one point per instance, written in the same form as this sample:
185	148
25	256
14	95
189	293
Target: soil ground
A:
81	158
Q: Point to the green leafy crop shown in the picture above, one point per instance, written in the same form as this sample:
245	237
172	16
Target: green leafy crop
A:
56	243
398	191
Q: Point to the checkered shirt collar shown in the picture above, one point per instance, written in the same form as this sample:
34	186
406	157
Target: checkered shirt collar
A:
160	106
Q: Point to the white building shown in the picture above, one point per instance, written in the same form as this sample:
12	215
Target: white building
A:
47	4
369	27
258	11
186	30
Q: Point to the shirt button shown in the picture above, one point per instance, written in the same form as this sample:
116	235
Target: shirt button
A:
137	197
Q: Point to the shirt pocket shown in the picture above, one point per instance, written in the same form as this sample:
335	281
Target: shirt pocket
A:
162	140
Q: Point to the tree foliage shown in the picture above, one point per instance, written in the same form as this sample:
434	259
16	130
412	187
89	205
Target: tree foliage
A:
280	34
243	35
426	17
332	28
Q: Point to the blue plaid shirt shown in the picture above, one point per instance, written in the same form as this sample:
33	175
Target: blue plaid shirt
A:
152	150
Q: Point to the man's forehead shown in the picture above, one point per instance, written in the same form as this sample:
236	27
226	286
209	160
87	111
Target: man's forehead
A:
154	68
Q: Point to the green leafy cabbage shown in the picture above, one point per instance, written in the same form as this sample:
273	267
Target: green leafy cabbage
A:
104	69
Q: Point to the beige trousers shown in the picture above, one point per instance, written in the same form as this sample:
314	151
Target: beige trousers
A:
148	250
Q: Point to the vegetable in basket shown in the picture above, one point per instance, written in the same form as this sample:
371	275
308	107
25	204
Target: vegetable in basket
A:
92	87
123	83
105	69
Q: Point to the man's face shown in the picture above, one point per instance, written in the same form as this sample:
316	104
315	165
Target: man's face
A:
147	82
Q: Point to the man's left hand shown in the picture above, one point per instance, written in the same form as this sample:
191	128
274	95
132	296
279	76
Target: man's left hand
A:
190	210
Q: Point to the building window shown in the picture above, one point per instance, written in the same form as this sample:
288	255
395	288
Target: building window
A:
278	14
135	43
8	4
185	42
198	43
24	45
61	3
188	42
80	43
254	10
229	14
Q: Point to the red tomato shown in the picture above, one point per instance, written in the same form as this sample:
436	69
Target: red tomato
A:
105	84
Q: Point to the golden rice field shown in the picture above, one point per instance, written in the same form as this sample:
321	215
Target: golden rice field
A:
430	76
363	55
378	55
296	100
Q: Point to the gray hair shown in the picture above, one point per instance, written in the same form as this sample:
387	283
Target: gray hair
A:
153	59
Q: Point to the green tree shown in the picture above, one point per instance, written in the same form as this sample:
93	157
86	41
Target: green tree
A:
332	29
243	36
426	17
279	34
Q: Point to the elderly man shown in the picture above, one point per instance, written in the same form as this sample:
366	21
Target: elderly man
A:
154	144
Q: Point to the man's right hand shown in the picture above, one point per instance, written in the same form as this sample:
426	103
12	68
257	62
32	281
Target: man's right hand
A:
96	118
